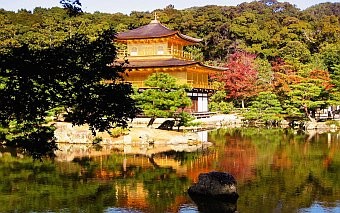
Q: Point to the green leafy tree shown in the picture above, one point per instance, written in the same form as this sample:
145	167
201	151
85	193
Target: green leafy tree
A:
164	97
73	7
268	29
265	74
331	55
218	102
305	96
70	75
336	76
295	51
266	107
335	80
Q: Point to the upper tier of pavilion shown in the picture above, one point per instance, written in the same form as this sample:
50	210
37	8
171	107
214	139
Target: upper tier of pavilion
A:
155	30
154	41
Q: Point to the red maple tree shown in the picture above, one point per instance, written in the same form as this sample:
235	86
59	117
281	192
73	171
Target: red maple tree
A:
240	78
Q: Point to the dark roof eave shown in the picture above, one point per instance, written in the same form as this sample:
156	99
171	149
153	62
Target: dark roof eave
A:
219	69
156	66
214	68
189	38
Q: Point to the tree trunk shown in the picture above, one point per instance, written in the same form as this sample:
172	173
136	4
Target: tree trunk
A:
307	113
152	161
242	104
151	121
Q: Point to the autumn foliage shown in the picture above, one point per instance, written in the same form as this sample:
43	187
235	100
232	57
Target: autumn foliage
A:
284	76
240	78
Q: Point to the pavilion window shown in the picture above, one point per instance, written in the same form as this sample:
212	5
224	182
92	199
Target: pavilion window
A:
134	51
160	50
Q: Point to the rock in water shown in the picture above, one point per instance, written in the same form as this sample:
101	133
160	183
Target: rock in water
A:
220	185
213	205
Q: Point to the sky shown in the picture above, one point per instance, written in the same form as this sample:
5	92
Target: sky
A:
126	6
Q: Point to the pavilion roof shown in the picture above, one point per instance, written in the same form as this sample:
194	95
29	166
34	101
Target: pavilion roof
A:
173	62
153	30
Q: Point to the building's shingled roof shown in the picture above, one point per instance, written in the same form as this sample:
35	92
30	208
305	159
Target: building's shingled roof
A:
173	62
153	30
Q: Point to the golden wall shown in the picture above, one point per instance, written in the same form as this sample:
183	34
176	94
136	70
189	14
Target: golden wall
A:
185	76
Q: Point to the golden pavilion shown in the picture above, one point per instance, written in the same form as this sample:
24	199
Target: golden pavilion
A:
154	48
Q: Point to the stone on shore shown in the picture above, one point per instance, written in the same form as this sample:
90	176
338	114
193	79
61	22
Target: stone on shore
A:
67	133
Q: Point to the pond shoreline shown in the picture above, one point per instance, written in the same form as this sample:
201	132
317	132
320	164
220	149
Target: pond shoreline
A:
139	133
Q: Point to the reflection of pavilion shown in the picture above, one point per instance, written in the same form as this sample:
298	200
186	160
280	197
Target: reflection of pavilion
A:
130	162
203	136
134	193
237	157
133	196
69	151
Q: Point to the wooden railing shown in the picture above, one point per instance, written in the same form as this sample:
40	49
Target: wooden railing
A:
202	85
152	53
190	83
199	115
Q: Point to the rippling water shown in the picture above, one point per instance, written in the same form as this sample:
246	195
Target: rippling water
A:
277	170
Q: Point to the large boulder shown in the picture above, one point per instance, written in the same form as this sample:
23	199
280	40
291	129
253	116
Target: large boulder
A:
220	185
167	125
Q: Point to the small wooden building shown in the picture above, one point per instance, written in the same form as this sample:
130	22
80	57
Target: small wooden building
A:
155	48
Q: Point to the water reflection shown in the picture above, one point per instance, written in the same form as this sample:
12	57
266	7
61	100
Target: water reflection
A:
277	171
210	205
318	207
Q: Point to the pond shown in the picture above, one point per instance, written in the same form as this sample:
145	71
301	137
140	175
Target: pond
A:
278	170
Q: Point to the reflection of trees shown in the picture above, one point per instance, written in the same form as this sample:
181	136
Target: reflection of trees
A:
144	183
89	184
152	161
236	153
291	171
40	187
313	186
274	169
164	187
238	157
281	159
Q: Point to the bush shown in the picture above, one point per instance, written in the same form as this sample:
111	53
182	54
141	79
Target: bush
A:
265	108
185	119
332	122
223	107
218	103
118	131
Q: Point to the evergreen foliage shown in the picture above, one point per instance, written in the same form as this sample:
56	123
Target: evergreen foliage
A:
34	81
265	108
164	98
286	44
218	101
